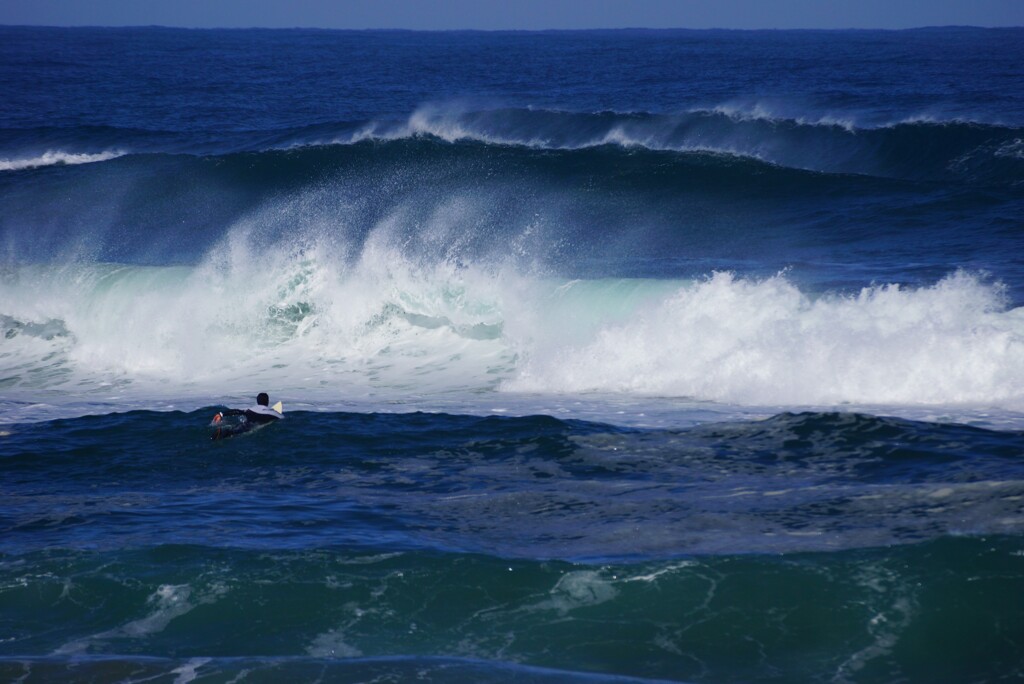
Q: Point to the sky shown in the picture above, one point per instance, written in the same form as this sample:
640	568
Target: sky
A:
515	14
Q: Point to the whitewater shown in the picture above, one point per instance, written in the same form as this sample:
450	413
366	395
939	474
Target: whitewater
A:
306	321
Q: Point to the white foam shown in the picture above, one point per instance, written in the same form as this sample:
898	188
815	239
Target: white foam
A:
657	133
894	606
167	603
332	645
313	321
624	136
776	114
54	157
764	342
188	671
691	130
737	111
653	576
448	124
574	590
1013	150
938	117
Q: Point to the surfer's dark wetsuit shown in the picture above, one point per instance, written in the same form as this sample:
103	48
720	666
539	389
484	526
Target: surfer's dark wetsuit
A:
252	418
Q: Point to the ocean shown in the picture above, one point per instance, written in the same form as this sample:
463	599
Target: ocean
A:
606	356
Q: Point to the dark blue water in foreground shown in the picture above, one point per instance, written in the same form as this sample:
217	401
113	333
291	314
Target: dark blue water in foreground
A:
606	356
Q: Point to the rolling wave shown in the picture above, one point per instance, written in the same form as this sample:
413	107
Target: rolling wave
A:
915	148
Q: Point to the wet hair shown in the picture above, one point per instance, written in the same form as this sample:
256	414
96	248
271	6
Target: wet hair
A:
262	399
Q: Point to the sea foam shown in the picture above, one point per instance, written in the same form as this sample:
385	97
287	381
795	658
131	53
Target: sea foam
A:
765	342
54	157
310	319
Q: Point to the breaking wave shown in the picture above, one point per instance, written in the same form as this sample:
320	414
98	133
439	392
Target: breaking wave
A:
383	322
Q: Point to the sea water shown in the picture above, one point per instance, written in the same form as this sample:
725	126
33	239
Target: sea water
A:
606	355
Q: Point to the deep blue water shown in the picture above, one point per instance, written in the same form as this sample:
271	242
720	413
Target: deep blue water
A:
606	356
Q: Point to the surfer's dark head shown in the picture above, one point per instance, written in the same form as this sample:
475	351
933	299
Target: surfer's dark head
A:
262	399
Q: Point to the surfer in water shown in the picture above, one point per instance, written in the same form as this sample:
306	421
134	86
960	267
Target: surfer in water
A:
257	416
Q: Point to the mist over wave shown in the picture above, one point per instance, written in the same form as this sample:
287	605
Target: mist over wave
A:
598	211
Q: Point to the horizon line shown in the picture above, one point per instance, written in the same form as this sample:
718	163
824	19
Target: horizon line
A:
504	30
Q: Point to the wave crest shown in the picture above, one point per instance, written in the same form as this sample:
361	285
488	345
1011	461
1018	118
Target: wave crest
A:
923	147
58	157
918	148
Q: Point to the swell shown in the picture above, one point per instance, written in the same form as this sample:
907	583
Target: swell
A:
916	148
867	615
